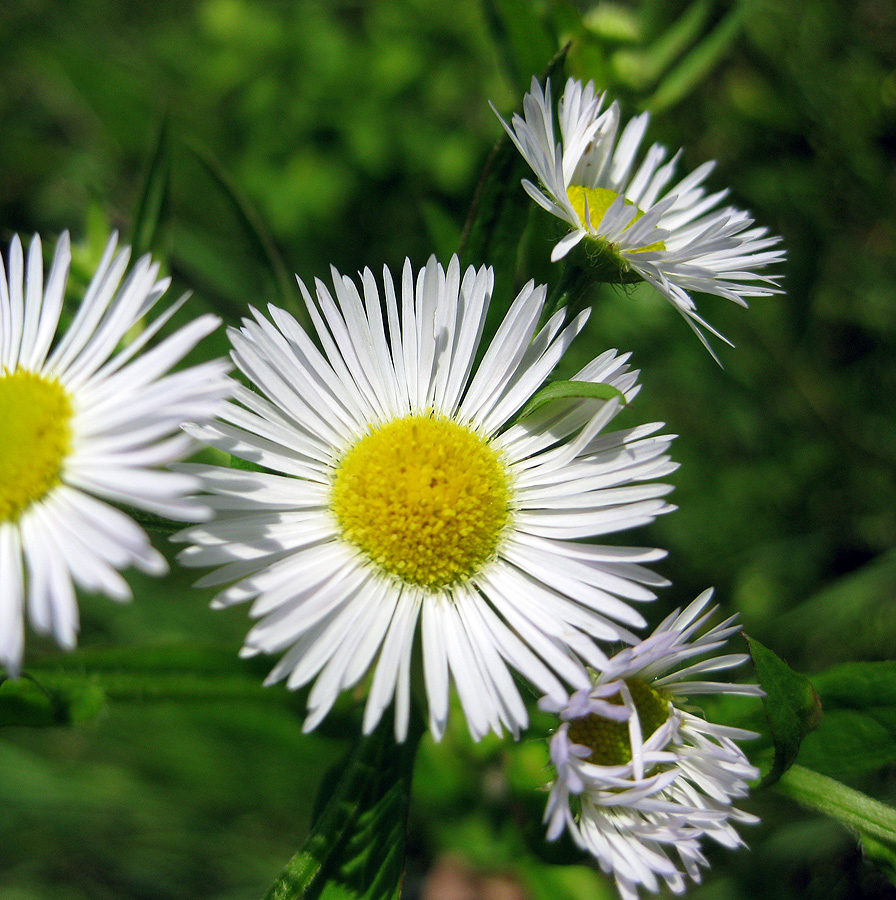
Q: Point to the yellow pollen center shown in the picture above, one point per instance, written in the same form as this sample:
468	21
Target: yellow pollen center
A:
599	201
609	740
35	438
425	498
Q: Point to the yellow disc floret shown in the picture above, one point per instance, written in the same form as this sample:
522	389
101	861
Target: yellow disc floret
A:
424	497
599	201
609	740
35	438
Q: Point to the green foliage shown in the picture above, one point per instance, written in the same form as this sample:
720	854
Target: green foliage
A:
858	732
869	819
570	390
152	205
791	705
354	134
48	701
356	847
499	215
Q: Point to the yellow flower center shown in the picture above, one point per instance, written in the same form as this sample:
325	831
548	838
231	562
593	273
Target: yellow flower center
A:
599	201
609	740
35	438
425	498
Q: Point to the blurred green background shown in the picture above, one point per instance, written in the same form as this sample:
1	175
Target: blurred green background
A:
244	141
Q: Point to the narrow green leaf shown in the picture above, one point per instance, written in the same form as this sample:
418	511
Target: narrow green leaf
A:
356	848
867	817
644	67
29	701
153	203
570	390
792	707
499	214
697	64
521	38
259	238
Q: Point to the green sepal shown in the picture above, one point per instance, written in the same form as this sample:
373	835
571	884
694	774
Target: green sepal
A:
792	707
570	390
356	849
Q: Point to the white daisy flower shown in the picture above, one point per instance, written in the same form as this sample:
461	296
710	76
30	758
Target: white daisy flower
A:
631	224
81	424
640	779
398	490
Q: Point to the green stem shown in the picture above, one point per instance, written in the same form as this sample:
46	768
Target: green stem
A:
852	808
357	844
148	686
568	292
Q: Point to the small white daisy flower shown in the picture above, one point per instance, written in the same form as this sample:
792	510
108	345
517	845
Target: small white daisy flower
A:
640	780
398	491
631	224
80	421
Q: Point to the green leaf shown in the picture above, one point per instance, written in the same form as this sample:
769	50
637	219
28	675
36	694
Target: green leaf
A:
858	732
237	462
521	38
356	848
861	814
852	618
153	203
697	64
29	701
792	707
258	238
499	215
570	390
644	67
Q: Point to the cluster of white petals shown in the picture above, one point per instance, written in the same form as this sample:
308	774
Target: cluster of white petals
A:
683	242
544	598
644	819
126	412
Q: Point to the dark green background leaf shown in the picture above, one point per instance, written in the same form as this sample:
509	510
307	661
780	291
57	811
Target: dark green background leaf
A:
858	731
47	701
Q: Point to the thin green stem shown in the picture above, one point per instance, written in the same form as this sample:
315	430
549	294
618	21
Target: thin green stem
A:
852	808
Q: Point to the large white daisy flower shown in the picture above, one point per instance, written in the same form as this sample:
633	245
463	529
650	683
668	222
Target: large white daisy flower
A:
397	490
640	779
80	421
631	223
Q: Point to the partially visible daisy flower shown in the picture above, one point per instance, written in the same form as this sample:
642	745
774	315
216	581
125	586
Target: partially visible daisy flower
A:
398	491
631	223
82	423
640	779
